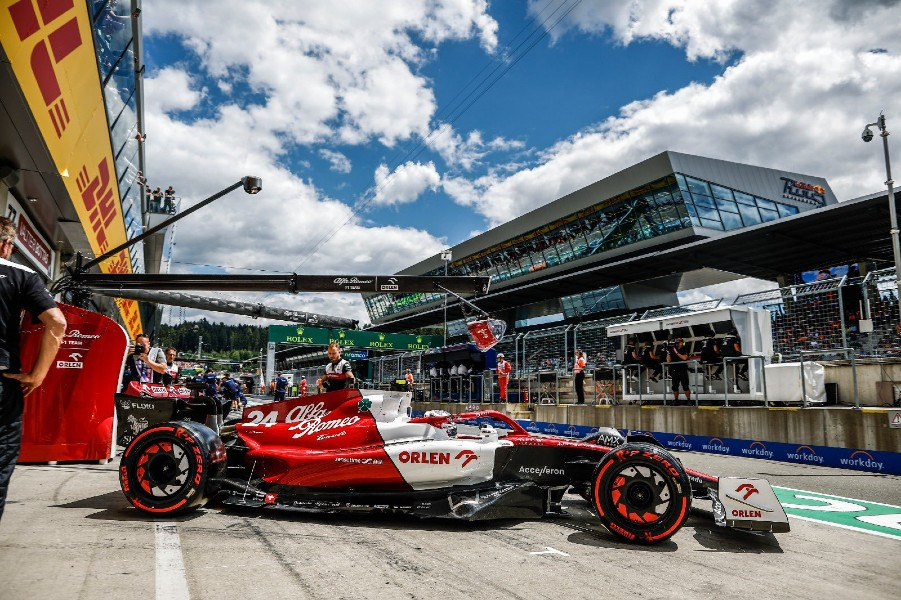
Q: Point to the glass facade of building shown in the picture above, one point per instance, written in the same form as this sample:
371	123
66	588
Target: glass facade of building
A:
669	204
115	47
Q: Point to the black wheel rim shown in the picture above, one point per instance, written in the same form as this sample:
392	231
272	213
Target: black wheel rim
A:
163	469
640	494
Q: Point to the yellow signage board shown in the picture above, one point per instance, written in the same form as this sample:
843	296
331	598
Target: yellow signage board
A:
51	50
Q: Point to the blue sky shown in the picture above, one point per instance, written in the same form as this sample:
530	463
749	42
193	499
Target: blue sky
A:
351	112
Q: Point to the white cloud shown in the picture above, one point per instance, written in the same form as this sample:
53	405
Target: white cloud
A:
405	184
339	163
170	89
320	64
316	72
804	85
466	153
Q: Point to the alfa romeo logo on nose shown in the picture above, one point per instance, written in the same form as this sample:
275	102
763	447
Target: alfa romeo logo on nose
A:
364	404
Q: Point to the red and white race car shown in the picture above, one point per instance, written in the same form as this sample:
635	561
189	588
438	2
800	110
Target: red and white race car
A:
358	450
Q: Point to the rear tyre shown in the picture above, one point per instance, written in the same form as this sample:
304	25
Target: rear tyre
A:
641	493
166	469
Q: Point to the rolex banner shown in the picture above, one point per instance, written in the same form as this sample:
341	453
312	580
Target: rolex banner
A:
349	338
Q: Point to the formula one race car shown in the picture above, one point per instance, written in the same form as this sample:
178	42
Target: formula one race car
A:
357	450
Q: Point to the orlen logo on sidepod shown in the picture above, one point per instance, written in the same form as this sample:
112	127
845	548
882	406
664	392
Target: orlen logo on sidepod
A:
436	458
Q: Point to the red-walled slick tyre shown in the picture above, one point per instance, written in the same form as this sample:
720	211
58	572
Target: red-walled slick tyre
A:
641	493
165	469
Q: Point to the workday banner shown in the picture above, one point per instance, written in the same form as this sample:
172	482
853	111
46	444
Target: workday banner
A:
824	456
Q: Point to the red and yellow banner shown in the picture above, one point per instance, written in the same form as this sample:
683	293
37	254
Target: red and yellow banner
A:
51	50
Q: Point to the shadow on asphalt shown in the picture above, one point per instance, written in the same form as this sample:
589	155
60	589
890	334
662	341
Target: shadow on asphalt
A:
399	522
113	506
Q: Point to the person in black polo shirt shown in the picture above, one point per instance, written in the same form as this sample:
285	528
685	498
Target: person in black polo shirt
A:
678	368
20	289
731	348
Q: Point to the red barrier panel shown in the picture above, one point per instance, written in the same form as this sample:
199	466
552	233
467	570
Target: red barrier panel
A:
71	417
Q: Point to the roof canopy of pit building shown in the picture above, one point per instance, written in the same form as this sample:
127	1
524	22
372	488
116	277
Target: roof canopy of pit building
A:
670	223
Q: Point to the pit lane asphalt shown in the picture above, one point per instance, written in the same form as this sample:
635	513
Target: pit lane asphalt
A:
69	533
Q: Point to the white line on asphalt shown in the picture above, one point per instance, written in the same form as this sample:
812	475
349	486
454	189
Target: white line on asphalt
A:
550	551
171	583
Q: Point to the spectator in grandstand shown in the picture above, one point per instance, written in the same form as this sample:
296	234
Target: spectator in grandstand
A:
678	368
579	377
651	361
338	372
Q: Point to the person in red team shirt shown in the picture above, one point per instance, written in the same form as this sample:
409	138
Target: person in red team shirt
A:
503	375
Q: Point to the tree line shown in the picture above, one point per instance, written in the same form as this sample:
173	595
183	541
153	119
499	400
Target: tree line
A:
233	342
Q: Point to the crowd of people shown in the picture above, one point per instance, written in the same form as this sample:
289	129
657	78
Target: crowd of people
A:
147	363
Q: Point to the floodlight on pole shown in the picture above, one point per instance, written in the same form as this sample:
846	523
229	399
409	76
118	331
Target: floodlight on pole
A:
867	136
251	185
446	256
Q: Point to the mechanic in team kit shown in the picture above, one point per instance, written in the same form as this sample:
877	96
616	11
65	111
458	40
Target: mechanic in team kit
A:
20	289
231	390
503	375
338	372
212	386
281	387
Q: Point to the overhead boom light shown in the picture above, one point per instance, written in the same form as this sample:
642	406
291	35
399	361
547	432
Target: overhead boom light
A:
252	185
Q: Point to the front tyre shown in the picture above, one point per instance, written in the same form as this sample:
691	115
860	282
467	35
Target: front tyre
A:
641	493
165	469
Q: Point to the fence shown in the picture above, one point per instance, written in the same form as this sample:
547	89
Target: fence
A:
818	320
545	350
591	338
806	318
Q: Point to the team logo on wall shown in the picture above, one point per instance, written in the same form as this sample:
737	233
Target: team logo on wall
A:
803	192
